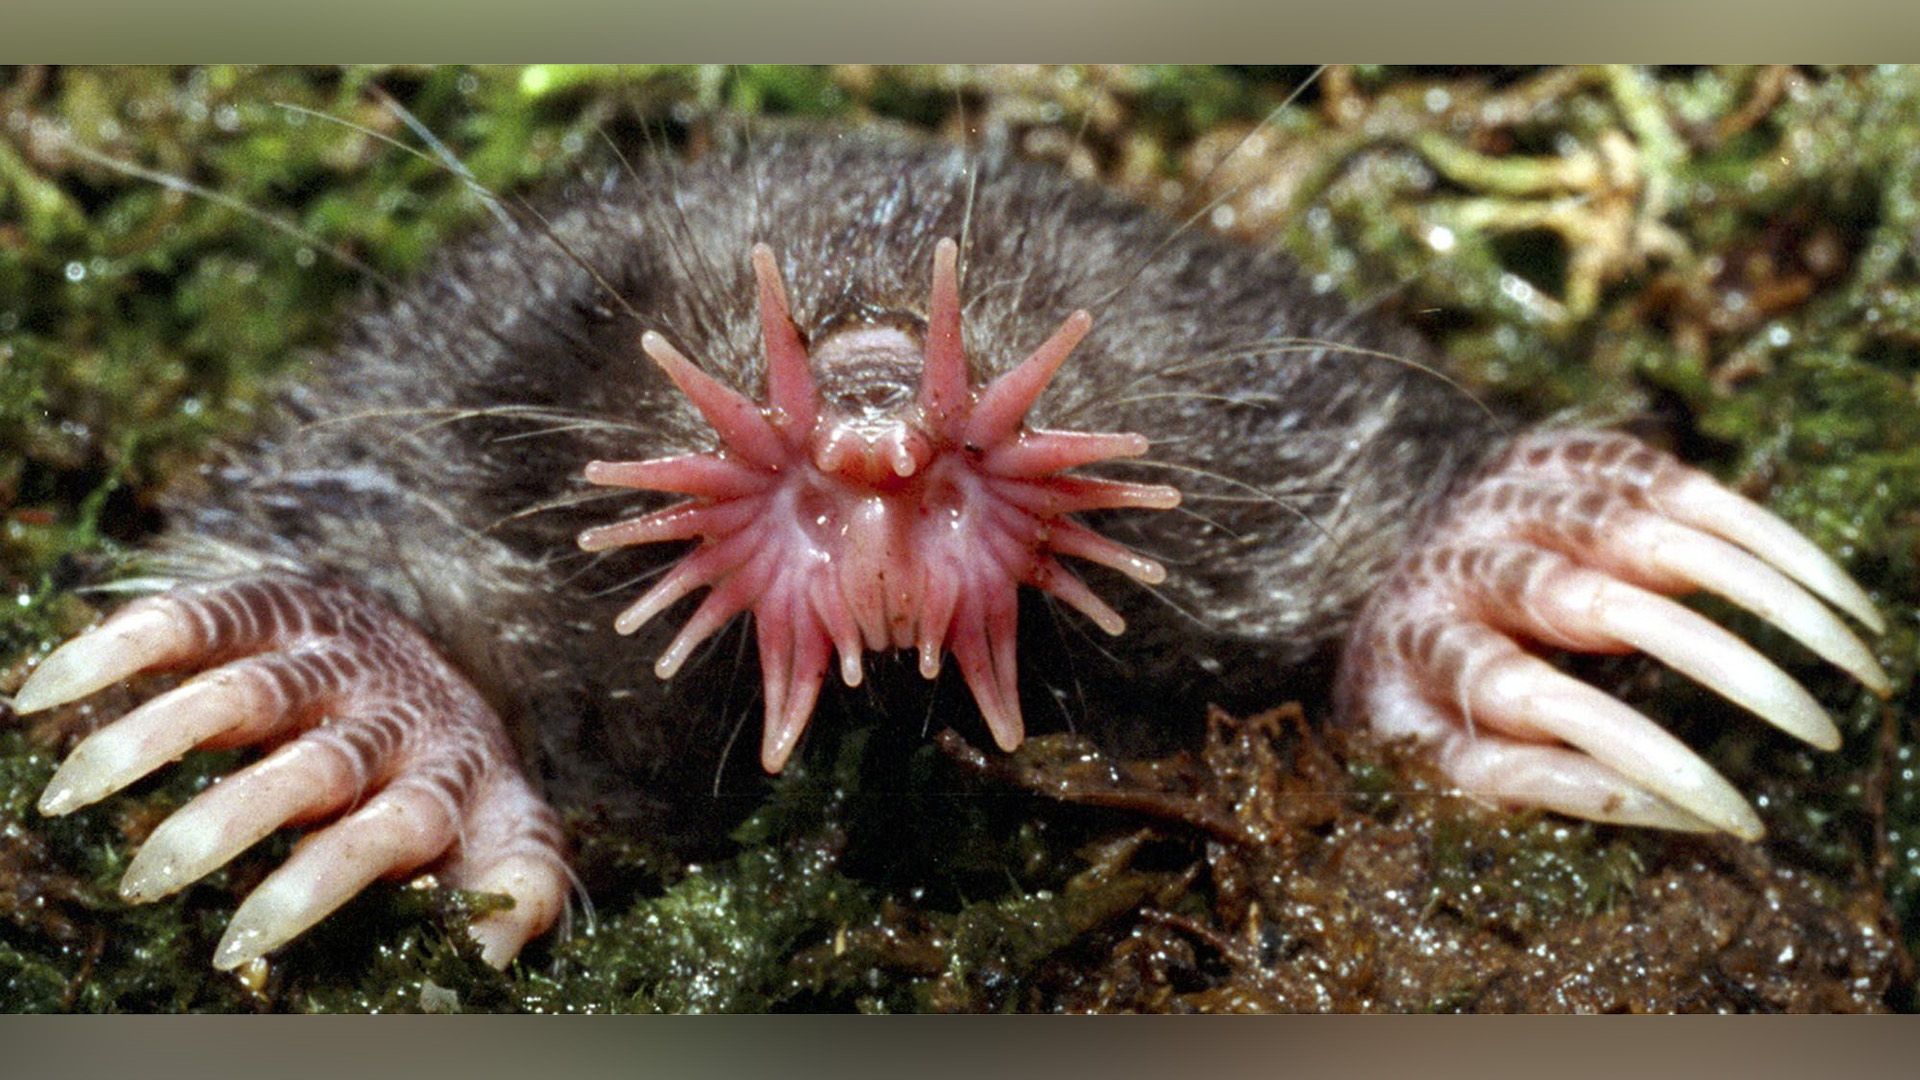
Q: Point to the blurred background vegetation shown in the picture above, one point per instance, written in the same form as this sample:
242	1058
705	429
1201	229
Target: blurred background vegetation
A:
1727	258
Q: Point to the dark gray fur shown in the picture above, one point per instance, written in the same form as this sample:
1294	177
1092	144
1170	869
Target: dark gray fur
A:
436	455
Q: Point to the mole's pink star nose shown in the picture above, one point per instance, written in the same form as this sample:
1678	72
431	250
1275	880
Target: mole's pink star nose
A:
846	537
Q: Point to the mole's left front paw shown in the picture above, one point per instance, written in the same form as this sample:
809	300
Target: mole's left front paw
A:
1573	542
371	724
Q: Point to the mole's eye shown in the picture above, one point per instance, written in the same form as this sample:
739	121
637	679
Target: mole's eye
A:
872	392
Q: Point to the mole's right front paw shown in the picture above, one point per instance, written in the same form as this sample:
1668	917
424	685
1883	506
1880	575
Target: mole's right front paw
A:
1574	541
369	721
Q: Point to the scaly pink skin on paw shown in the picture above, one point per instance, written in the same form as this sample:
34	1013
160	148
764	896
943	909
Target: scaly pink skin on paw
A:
1574	541
843	535
370	724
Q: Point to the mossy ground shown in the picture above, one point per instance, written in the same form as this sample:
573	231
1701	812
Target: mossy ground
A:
1729	259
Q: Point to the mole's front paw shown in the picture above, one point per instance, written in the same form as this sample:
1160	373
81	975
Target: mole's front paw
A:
369	721
1569	543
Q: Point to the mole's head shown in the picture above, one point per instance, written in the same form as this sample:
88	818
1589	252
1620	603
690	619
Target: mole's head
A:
851	514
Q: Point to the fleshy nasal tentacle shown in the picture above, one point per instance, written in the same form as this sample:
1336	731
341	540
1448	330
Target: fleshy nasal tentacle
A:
838	623
943	378
914	531
1059	582
713	562
1072	538
1003	406
738	421
985	632
727	599
794	652
681	521
791	392
706	476
1076	494
1033	454
942	599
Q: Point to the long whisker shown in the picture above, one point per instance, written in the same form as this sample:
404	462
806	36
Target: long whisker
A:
1175	606
756	191
739	725
445	155
630	584
443	414
1305	344
1201	213
557	429
563	502
973	184
606	286
1279	348
1254	500
1259	494
238	206
1277	400
376	135
589	562
1254	493
689	256
445	158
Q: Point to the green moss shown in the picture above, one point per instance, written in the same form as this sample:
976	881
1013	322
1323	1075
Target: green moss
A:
1522	875
67	942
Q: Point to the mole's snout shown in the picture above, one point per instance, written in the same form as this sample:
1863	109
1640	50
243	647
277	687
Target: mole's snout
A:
861	519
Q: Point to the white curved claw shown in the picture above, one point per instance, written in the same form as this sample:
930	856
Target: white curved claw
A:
1509	773
1525	695
1706	562
1702	650
530	874
400	829
1696	499
538	888
151	736
299	781
140	638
